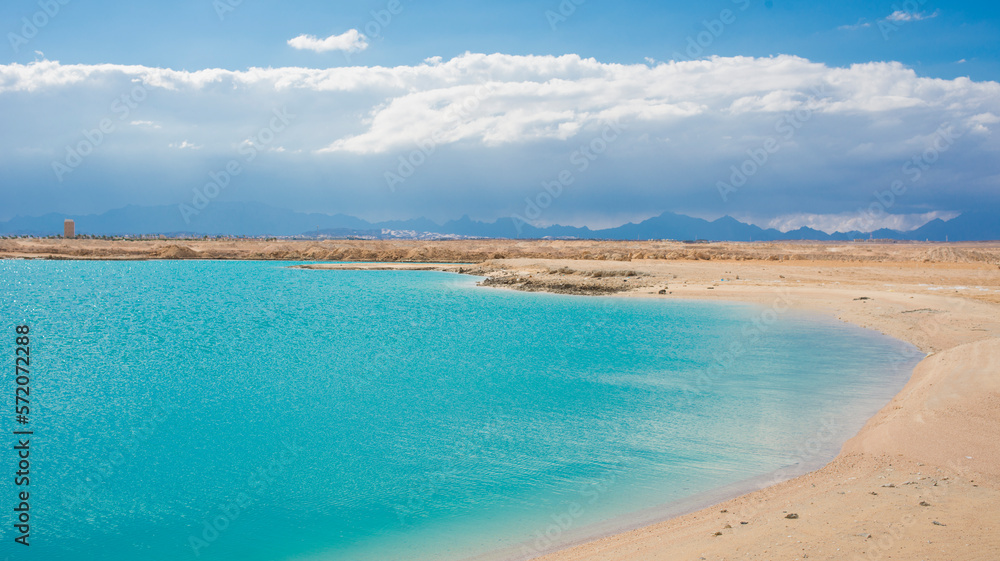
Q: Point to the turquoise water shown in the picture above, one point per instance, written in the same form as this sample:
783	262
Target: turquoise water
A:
248	411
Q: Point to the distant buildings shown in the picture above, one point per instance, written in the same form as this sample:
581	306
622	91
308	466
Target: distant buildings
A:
69	229
877	240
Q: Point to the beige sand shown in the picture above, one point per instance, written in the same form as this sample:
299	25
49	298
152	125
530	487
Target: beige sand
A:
921	481
476	251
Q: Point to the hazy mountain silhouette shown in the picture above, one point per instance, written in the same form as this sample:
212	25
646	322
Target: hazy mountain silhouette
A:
256	219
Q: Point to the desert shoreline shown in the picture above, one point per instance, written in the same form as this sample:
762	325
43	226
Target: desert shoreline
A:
921	480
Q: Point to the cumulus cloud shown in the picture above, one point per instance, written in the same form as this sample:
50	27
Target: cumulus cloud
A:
980	124
496	100
499	99
352	41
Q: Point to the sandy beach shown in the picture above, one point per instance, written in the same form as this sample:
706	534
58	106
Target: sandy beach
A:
921	481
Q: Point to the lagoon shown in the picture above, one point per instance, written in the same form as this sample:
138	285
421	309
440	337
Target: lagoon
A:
246	410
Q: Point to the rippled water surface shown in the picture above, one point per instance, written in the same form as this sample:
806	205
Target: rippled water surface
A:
248	411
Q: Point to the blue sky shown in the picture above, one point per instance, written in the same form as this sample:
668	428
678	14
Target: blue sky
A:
189	34
683	127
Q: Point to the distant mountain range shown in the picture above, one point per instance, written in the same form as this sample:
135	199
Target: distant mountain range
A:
256	220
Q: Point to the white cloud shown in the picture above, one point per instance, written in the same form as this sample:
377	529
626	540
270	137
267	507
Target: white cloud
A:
500	99
149	124
902	16
352	41
185	145
850	222
860	25
978	123
684	125
497	100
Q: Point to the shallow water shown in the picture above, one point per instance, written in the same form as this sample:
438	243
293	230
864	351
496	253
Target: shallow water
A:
248	411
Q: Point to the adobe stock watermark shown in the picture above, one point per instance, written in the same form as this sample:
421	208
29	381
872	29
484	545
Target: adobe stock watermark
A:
913	169
30	26
817	447
215	524
123	106
553	535
820	446
220	179
580	161
882	545
901	14
225	7
380	20
85	489
714	28
786	126
750	335
420	496
562	13
408	164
